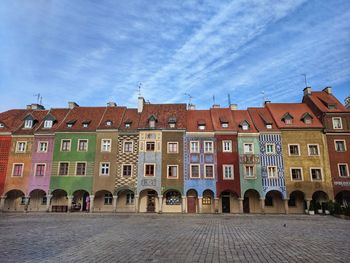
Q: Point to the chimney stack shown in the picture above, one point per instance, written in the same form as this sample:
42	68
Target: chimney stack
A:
111	104
191	107
140	104
233	106
216	106
267	102
72	105
35	106
307	91
328	90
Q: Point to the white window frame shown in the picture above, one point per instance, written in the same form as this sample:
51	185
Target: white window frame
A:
212	147
198	144
155	145
13	169
224	166
347	170
341	123
59	166
39	148
273	148
177	171
87	145
318	149
299	152
28	124
248	143
302	174
248	176
229	143
35	168
70	145
154	170
177	147
48	124
335	145
109	169
132	146
224	125
76	168
201	127
268	172
268	126
245	127
102	145
205	171
122	171
315	180
17	147
199	170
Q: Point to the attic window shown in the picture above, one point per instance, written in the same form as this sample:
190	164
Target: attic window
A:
268	126
152	121
70	123
331	106
307	118
287	118
108	123
2	125
245	126
172	122
48	124
127	125
86	123
201	125
28	124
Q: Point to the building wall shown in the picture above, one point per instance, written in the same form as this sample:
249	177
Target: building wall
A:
303	138
5	146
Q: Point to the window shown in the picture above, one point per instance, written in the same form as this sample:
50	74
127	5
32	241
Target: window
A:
17	169
23	200
2	125
296	174
201	126
227	172
227	146
28	124
149	169
288	121
270	148
48	124
104	169
209	171
127	125
316	174
224	124
42	147
337	124
108	123
85	125
127	147
194	171
268	200
150	146
248	148
127	170
44	200
106	145
340	146
343	170
108	199
173	198
21	147
82	145
208	147
172	147
268	126
69	125
63	168
80	169
65	145
130	198
313	149
172	171
294	149
308	121
271	171
40	169
206	200
152	123
194	147
249	171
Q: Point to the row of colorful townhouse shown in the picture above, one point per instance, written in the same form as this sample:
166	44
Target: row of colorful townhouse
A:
172	158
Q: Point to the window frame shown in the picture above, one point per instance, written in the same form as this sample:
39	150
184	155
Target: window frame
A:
273	148
38	146
108	196
248	143
205	171
132	146
13	169
268	173
70	145
132	197
199	170
28	124
335	145
212	147
177	171
316	168
36	169
150	143
154	170
291	175
131	168
102	144
224	172
17	147
347	170
76	168
254	171
168	147
341	123
230	146
198	147
59	168
87	145
318	149
294	144
100	169
48	122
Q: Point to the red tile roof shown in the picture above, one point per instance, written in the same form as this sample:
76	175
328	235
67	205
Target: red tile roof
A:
322	98
240	116
12	119
261	117
195	117
220	115
114	115
297	110
38	116
58	114
130	116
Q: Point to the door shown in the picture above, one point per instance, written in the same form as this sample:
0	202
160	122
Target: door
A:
246	205
191	204
226	204
151	202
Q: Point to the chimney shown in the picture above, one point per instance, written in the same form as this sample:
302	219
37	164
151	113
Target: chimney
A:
111	104
347	102
191	107
140	103
72	105
216	106
233	106
267	102
328	90
35	106
307	91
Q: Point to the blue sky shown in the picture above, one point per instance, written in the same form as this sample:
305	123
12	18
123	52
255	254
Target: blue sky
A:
93	52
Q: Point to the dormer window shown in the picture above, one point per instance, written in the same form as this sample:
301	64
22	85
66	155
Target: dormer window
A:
268	126
28	124
48	124
223	122
287	118
307	118
86	123
108	123
127	123
224	125
70	123
2	125
245	125
337	123
201	125
331	106
152	121
172	122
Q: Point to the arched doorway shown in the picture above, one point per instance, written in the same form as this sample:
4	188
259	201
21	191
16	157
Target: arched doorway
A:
251	203
274	202
59	201
208	201
320	199
192	200
126	201
103	201
343	198
148	201
81	201
15	201
296	202
38	200
172	201
229	202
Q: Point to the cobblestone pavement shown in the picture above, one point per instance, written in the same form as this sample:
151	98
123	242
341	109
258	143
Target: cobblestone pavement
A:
172	238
